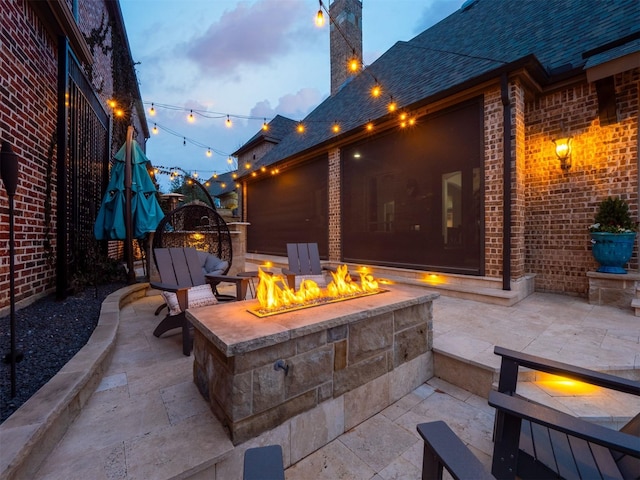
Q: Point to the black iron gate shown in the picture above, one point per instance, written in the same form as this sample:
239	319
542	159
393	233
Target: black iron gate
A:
83	166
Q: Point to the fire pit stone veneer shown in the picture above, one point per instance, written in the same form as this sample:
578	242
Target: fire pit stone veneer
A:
362	355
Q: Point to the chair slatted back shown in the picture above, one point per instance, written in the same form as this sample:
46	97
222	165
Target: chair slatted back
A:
304	258
179	266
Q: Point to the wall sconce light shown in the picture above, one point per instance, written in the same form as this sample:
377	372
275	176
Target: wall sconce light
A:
563	152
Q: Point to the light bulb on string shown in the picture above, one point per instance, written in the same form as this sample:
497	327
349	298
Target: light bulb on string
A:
300	127
376	91
228	122
369	126
234	175
152	110
265	127
195	174
354	64
335	127
229	160
215	174
320	16
155	129
392	105
247	165
191	118
184	141
209	152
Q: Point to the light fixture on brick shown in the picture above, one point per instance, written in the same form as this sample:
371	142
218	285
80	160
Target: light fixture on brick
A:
563	152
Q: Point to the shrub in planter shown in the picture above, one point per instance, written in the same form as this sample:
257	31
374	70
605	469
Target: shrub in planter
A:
613	235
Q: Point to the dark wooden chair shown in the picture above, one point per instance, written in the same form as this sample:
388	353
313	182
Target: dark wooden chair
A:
444	449
535	441
199	226
532	441
263	463
181	274
304	263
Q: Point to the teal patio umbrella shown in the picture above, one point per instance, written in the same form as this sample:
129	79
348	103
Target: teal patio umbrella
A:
145	209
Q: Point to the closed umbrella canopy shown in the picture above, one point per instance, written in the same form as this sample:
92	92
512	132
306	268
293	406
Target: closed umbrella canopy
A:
145	209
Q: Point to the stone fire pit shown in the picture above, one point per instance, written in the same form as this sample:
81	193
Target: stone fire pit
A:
256	373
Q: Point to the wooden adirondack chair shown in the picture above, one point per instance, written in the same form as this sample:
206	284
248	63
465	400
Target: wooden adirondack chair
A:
533	441
304	263
183	285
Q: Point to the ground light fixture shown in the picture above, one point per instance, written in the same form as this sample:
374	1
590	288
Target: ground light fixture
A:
9	173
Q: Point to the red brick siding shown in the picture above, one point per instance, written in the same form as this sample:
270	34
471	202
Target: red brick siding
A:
560	205
28	94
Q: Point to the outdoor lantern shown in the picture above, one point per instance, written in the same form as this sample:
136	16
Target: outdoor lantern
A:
9	169
563	152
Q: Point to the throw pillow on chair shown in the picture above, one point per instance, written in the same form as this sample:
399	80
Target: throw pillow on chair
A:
198	296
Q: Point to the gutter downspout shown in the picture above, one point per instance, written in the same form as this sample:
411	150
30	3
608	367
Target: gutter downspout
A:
506	182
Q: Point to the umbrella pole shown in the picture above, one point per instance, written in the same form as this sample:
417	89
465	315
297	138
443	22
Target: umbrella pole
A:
128	221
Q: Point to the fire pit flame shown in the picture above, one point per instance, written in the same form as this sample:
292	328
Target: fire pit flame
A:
275	296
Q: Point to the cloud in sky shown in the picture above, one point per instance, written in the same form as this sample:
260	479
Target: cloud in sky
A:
293	105
247	35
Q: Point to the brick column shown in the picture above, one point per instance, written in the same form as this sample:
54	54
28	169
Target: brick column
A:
335	214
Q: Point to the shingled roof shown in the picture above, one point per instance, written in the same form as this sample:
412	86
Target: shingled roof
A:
277	129
479	41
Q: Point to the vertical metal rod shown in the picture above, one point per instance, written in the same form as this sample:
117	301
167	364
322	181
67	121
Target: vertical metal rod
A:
128	158
12	300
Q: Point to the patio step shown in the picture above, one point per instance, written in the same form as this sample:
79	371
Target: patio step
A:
604	407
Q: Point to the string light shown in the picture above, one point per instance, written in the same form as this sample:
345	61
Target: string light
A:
300	127
209	152
228	122
152	110
369	126
155	129
265	127
335	128
376	91
354	64
184	141
392	106
191	118
112	103
320	16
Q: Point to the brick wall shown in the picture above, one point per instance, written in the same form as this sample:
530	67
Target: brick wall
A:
28	94
28	123
561	204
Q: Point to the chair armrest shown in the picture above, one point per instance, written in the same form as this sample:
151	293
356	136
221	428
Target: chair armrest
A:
443	448
577	373
168	288
562	422
286	271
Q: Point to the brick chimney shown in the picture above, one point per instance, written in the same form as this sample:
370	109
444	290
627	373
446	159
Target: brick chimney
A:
347	14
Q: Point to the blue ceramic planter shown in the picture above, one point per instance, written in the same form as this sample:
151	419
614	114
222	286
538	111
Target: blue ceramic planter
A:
612	250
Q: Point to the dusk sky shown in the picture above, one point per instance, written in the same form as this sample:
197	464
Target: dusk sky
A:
252	58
